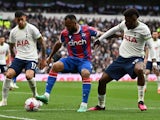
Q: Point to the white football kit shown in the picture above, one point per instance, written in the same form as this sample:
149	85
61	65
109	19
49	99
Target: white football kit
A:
25	42
4	49
133	40
156	46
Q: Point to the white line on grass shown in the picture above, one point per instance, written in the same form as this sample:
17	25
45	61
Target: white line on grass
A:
61	109
13	117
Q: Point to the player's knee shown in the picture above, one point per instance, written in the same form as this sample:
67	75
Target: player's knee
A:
57	67
9	75
139	70
29	76
85	73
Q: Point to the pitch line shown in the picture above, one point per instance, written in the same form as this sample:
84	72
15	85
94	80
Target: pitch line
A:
13	117
150	108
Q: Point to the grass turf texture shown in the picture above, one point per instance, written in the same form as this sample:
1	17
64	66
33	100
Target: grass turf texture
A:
121	103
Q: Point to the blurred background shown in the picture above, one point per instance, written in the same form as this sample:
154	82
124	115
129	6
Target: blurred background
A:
146	7
46	15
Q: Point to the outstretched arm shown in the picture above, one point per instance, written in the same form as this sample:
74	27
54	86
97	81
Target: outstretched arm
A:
109	33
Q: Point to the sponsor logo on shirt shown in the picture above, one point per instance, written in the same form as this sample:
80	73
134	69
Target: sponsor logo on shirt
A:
76	43
130	38
22	43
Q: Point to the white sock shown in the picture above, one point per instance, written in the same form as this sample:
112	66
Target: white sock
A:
47	94
5	88
101	100
146	81
32	84
158	82
84	104
140	93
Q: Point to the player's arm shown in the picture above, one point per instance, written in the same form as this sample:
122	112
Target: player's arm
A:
43	49
11	45
107	34
43	46
55	48
146	50
8	55
152	52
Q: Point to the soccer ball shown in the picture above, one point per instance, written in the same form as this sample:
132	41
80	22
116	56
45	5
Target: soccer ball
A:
31	104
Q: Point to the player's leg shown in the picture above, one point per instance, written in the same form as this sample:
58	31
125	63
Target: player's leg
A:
6	86
86	87
139	70
56	67
147	72
30	68
158	84
15	82
157	72
102	84
114	71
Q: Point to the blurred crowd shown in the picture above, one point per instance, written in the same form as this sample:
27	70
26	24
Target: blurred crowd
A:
51	28
149	7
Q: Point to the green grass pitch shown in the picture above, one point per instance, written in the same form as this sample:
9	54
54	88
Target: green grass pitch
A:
121	103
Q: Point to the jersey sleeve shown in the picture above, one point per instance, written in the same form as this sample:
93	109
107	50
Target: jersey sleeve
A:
36	33
93	31
11	37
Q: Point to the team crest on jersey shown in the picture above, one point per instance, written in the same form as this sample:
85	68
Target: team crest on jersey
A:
83	34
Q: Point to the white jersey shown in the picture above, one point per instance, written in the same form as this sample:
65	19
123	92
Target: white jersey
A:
133	40
156	45
25	41
4	49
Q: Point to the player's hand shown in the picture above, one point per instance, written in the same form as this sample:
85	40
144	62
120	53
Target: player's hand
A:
43	63
97	44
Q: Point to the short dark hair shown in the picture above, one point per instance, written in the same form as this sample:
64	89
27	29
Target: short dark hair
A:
71	17
130	12
19	13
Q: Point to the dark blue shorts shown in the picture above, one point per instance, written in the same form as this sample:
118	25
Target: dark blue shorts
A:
74	65
122	66
18	65
3	68
149	65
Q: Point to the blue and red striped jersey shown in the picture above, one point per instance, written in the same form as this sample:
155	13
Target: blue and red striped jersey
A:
79	44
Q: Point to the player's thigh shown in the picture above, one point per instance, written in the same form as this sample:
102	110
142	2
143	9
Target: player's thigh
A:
58	66
65	65
84	66
17	65
30	69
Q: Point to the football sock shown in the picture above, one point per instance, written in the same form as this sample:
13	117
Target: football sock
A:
140	93
86	87
101	100
5	88
146	81
32	84
158	82
50	82
14	80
